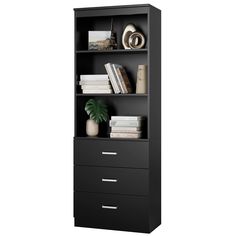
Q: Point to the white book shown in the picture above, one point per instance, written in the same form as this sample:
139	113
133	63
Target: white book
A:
127	129
112	77
125	123
126	117
96	87
97	91
118	81
94	77
124	135
94	82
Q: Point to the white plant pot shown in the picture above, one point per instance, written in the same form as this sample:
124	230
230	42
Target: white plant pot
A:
91	128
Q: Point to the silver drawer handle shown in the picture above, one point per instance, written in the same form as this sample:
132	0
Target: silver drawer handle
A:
109	153
109	207
109	180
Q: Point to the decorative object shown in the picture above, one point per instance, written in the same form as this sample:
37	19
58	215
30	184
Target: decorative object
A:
102	40
141	85
136	40
113	44
92	128
131	38
129	29
99	40
98	113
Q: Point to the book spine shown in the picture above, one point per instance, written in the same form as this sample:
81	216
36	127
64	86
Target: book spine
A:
94	77
94	83
127	129
114	66
124	135
97	91
125	123
122	80
115	78
112	79
125	79
97	87
126	117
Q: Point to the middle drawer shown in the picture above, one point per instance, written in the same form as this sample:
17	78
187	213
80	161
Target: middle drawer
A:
111	180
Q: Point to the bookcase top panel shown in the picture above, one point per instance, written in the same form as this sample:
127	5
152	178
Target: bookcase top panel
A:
113	10
112	7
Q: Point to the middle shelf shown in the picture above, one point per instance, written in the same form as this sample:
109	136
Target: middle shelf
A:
94	63
111	95
117	105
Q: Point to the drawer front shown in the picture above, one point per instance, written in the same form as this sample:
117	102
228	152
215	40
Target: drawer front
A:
111	153
111	211
111	180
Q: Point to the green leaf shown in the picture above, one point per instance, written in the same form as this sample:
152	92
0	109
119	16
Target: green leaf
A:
96	110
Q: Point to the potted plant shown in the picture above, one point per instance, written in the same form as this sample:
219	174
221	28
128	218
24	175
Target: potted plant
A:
98	113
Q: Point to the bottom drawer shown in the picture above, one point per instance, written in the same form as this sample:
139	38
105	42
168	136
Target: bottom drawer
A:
110	211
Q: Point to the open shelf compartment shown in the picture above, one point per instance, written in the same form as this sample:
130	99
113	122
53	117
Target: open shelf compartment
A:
117	106
103	23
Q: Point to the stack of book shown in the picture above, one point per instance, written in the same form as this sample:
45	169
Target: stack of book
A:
97	83
118	77
126	126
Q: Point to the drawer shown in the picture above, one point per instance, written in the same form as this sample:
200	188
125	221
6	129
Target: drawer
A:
111	153
111	180
110	211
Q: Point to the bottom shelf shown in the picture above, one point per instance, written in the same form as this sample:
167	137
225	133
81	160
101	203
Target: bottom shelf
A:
111	139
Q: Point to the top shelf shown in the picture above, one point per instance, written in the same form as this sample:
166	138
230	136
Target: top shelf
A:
143	50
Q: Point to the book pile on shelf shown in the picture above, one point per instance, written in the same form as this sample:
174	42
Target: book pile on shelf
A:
118	77
97	83
126	126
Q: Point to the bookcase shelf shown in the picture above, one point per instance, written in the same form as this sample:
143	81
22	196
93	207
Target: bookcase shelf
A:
143	50
112	139
111	95
117	181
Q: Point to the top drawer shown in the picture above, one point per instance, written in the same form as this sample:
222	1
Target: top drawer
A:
111	153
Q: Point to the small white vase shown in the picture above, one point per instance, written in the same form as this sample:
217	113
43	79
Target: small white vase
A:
91	128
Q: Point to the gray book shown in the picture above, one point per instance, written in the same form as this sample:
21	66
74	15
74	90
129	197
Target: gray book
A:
125	123
125	135
94	82
112	78
125	129
126	117
118	80
97	91
94	77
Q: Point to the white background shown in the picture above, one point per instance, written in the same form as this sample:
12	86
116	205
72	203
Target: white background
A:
198	117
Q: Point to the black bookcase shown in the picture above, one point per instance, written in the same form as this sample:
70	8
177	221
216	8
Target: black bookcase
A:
133	201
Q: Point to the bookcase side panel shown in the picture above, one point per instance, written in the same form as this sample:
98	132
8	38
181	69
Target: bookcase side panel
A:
155	116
